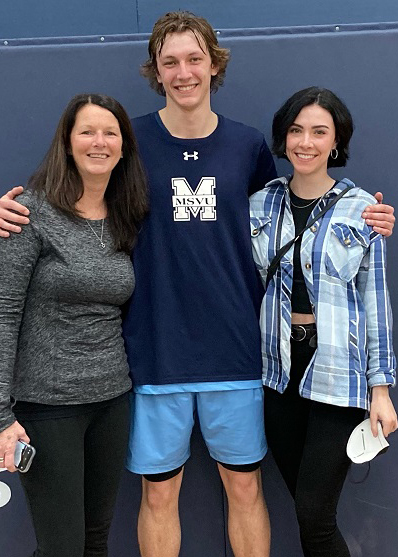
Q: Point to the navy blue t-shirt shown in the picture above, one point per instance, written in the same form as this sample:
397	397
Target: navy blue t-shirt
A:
193	316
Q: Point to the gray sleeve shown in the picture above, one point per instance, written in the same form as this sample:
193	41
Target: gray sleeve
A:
18	256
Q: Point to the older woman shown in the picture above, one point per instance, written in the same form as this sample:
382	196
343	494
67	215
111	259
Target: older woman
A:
62	282
326	316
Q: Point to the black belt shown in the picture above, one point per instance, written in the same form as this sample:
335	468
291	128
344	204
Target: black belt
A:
304	332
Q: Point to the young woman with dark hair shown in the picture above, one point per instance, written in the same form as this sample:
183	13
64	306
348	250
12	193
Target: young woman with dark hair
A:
325	317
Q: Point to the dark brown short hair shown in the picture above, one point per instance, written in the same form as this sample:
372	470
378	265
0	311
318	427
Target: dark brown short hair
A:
179	22
326	99
126	194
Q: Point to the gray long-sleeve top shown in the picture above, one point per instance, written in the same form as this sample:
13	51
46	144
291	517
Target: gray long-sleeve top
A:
60	319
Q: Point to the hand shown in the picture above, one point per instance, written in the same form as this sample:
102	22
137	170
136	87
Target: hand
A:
7	204
8	440
380	216
382	410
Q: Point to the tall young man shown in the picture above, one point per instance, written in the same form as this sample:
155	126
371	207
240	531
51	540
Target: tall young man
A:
191	330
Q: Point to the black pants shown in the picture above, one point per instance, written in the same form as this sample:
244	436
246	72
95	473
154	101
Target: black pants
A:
308	441
73	481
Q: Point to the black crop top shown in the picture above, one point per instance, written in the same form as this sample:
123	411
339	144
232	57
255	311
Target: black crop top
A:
301	210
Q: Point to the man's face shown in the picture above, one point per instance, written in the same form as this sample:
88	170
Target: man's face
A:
185	71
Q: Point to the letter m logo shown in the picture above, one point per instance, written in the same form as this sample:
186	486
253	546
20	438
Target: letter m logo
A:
187	202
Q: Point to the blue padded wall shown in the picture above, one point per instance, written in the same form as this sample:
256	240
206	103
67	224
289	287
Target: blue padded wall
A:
360	64
52	18
272	13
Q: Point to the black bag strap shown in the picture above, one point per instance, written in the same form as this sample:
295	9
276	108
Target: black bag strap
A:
284	249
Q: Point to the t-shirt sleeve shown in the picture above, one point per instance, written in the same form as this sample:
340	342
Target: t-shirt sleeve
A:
18	256
265	169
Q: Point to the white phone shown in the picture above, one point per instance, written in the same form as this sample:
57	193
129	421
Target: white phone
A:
23	456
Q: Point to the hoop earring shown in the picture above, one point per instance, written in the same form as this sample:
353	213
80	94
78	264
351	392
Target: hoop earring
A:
336	154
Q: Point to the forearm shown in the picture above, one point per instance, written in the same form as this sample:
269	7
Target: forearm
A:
12	213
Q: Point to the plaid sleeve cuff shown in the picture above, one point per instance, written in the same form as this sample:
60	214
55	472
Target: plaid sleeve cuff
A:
379	379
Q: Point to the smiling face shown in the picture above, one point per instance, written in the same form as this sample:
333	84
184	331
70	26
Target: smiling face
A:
310	139
185	69
96	142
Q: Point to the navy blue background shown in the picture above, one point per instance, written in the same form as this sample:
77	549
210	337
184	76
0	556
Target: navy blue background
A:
54	18
360	64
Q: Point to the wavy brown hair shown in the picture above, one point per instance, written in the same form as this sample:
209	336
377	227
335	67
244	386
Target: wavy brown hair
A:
126	194
179	22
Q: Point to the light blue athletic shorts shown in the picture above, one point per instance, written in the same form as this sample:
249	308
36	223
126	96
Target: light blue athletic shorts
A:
232	425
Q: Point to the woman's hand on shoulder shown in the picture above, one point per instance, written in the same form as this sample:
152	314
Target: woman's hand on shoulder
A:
380	216
12	213
382	410
8	440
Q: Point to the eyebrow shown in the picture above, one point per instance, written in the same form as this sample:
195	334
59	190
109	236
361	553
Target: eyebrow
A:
194	53
313	127
85	125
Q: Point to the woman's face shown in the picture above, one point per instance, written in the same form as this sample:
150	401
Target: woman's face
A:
96	142
310	139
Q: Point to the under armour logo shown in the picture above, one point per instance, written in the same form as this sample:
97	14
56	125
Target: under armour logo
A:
195	155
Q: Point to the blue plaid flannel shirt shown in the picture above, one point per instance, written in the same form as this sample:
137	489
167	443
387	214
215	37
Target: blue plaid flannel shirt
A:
344	267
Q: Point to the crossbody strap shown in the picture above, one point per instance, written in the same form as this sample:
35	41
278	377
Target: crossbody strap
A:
284	249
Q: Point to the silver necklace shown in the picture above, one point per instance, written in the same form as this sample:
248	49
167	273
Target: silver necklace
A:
304	206
313	201
95	234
